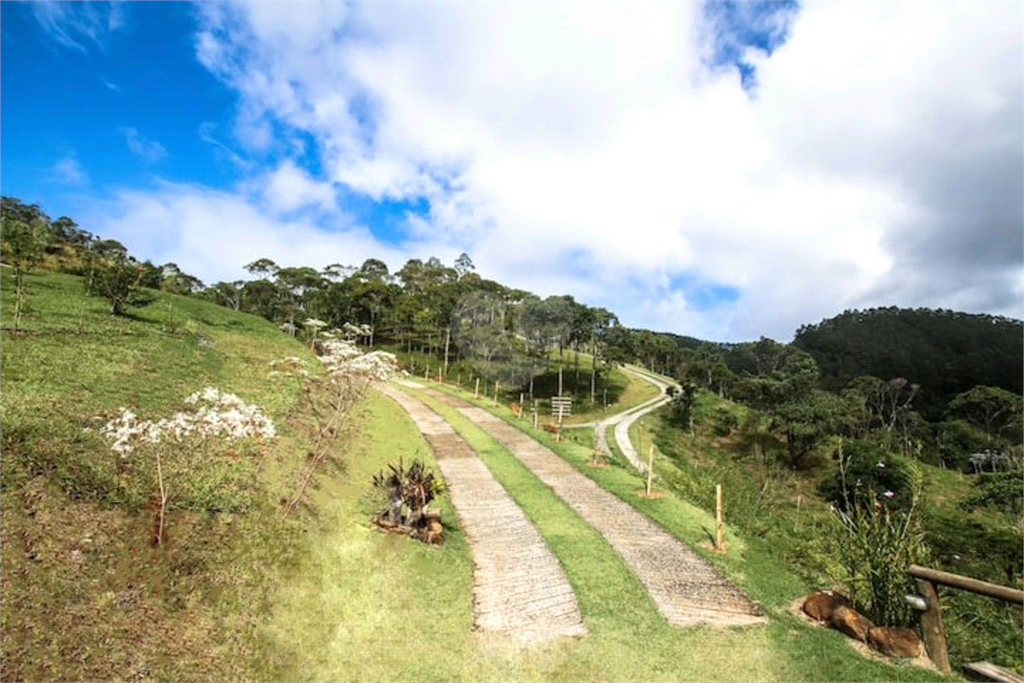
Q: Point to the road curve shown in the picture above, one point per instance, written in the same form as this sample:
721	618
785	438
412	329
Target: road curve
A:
623	420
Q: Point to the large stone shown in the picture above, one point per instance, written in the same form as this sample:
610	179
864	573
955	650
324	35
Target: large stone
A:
819	605
850	622
894	641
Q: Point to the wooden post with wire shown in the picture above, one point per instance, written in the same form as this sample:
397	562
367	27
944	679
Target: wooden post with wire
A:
718	517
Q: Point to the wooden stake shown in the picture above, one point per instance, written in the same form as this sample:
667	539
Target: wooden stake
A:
476	392
496	394
520	411
534	419
650	470
426	370
931	627
718	516
163	499
439	375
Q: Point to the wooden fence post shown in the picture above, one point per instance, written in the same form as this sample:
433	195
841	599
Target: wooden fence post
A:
496	383
439	375
476	392
535	419
718	516
931	627
650	469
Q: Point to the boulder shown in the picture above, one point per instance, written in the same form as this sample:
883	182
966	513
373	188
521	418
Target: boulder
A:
850	622
894	641
819	605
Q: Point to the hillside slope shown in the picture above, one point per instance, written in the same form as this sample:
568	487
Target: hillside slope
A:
946	352
85	592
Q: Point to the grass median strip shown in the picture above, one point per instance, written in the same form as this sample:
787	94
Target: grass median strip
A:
629	637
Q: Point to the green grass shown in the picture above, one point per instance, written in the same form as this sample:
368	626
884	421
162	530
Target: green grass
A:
83	594
321	594
786	649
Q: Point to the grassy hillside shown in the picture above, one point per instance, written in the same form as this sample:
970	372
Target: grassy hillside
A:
778	511
238	590
84	593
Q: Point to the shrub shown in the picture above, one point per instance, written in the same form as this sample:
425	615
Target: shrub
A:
1000	490
680	413
868	471
725	421
119	281
877	544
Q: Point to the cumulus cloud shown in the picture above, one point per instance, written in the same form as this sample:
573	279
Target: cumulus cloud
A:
609	153
148	150
213	233
289	187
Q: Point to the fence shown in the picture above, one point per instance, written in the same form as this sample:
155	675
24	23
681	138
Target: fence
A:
931	617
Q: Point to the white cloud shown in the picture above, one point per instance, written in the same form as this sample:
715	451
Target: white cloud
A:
76	25
67	170
289	188
591	151
213	234
148	150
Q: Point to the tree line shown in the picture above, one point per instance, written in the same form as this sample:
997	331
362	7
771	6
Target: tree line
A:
942	384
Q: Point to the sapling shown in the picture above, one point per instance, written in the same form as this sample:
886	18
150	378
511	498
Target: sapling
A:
24	240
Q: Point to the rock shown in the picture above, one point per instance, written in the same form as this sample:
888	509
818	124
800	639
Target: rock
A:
850	622
894	641
819	605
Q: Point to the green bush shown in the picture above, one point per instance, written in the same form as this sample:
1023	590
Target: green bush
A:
877	545
868	471
1000	490
726	421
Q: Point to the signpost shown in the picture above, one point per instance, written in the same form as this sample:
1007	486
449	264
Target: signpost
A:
561	406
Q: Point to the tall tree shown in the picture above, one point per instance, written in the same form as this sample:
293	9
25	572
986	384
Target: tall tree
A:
990	408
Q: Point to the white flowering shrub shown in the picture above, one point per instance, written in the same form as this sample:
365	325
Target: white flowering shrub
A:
329	397
217	415
194	456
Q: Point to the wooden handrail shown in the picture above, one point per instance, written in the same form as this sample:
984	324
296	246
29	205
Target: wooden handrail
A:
991	590
931	619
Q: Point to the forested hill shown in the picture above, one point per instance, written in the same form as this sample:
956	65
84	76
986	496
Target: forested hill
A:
946	352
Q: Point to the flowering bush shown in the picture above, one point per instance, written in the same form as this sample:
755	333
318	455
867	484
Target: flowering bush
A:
217	414
878	541
328	398
866	469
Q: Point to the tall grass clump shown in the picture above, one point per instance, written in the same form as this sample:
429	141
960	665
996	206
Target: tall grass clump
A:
877	544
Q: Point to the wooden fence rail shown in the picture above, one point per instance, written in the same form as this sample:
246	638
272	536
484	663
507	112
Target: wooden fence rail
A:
931	619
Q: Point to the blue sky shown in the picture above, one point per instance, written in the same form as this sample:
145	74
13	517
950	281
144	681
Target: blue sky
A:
724	170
